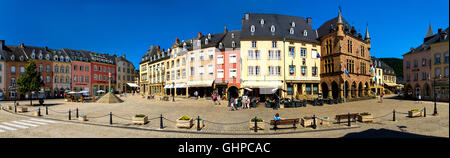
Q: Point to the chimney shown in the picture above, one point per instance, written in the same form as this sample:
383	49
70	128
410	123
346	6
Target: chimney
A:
123	55
158	48
199	35
225	29
308	20
177	40
2	44
21	45
46	48
243	21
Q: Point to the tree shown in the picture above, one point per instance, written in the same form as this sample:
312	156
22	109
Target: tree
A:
30	81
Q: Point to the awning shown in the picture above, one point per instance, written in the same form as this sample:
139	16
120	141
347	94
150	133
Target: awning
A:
390	84
203	83
168	86
181	85
261	84
132	84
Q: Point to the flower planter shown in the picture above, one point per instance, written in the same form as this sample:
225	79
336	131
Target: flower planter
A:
365	118
139	120
415	113
307	121
259	125
82	117
36	113
22	109
325	121
184	123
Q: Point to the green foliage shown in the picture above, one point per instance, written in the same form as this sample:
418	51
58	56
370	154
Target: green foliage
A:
415	109
257	120
396	64
30	81
140	115
185	118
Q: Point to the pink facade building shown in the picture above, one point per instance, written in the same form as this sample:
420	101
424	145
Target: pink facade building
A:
81	70
228	67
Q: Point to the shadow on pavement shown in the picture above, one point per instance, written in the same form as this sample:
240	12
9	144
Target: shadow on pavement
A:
385	133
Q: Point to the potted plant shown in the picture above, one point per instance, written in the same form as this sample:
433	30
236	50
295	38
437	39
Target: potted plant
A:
140	119
82	117
307	121
259	123
365	117
184	122
415	113
22	109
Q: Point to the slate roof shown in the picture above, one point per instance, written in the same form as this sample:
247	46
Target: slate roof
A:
102	58
331	26
230	37
282	25
154	55
430	40
9	51
387	70
76	55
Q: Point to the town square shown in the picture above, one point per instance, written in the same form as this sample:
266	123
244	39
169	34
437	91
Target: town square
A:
248	73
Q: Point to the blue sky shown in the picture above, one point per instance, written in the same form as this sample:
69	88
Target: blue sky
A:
131	26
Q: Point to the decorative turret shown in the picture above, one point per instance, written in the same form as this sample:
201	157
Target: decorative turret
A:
429	33
367	37
340	25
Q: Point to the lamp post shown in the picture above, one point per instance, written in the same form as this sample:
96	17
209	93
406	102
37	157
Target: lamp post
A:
173	95
435	113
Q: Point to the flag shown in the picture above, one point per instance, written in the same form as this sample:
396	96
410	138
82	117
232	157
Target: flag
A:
346	72
318	55
371	67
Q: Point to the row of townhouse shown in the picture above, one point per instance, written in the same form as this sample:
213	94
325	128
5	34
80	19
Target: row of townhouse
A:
271	54
426	68
62	70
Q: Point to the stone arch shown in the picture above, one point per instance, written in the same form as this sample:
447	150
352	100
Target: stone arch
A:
346	89
426	90
366	89
417	90
335	90
233	92
325	90
360	89
353	90
408	90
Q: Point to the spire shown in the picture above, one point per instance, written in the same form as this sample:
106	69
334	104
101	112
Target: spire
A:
367	32
429	32
340	16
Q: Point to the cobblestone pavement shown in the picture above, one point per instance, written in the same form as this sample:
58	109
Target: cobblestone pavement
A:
219	120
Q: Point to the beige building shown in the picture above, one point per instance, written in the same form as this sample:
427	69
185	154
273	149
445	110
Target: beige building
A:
125	74
176	69
440	66
2	70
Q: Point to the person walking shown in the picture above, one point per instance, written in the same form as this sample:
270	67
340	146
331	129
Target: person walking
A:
236	103
196	95
381	97
419	99
214	98
218	99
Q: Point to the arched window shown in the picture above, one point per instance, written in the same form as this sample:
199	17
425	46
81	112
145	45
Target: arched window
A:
305	33
233	44
262	21
291	31
293	24
252	28
272	28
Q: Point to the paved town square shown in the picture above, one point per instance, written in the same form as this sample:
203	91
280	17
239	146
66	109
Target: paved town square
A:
219	120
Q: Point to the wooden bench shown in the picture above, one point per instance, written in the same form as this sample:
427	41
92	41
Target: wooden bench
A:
353	116
293	122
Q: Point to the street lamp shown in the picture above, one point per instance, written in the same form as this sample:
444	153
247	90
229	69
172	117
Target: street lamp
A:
173	96
435	113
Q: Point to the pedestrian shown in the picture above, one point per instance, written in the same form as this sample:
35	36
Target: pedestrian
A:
214	98
236	103
381	97
419	99
218	99
248	102
196	95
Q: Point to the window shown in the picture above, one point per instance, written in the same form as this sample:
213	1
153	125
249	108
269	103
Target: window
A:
210	69
292	51
48	79
233	73
86	69
250	71
219	59
314	54
61	69
305	33
104	69
13	69
257	54
315	88
416	63
220	73
303	70
200	71
75	78
41	68
349	46
308	88
424	62
252	28
183	73
257	70
56	79
407	65
274	70
13	82
253	44
291	31
416	76
22	70
250	54
291	69
437	58
314	71
81	68
67	69
437	72
232	58
446	58
424	76
192	71
274	44
56	69
81	78
303	52
95	67
446	72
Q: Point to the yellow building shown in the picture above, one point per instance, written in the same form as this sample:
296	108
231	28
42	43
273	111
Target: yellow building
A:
280	56
176	69
440	66
153	71
377	83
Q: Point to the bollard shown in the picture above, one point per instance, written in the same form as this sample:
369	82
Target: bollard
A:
110	118
393	115
77	112
198	123
424	112
255	129
15	109
314	122
39	111
161	122
348	117
46	110
69	115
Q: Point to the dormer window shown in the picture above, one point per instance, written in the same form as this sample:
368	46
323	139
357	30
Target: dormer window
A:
199	43
233	44
209	35
291	31
252	28
272	28
305	33
47	57
206	41
61	58
293	24
262	21
55	58
220	45
21	58
232	35
40	56
12	57
33	55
